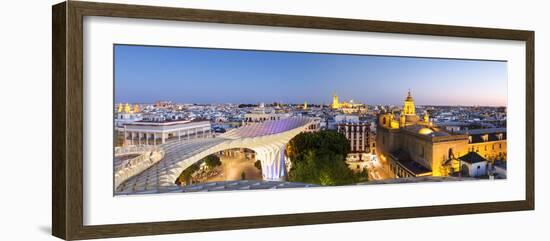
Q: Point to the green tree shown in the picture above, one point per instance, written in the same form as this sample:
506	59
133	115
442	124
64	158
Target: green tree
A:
322	141
323	169
319	158
363	175
258	164
212	161
185	176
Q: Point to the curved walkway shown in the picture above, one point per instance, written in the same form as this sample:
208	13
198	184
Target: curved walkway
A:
267	139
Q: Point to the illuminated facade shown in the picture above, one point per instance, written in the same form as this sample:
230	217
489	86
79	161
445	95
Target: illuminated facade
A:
412	146
347	107
163	104
152	133
488	143
335	102
127	109
359	137
136	109
126	114
408	105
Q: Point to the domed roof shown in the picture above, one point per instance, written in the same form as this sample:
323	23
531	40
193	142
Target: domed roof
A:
425	131
409	97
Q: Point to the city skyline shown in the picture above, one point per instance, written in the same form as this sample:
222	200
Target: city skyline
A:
145	74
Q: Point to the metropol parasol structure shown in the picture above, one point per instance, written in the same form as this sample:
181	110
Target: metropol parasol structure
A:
160	166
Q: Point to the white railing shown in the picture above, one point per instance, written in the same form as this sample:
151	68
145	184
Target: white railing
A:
127	150
148	156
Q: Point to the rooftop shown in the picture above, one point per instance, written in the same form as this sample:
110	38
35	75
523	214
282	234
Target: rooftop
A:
483	131
472	157
453	123
267	128
166	122
404	159
493	134
423	130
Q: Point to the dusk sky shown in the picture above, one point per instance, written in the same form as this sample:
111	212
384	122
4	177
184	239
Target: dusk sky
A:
146	74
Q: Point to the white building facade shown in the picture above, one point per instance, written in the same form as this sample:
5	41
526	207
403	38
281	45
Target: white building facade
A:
153	133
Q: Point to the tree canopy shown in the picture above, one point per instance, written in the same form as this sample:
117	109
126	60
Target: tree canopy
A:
212	161
330	142
185	176
258	164
319	158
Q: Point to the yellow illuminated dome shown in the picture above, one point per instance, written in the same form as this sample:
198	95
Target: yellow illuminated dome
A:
409	97
425	131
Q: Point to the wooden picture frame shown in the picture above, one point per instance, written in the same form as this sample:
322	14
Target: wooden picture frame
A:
67	119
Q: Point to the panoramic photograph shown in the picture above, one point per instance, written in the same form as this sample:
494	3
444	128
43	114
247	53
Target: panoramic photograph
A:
192	119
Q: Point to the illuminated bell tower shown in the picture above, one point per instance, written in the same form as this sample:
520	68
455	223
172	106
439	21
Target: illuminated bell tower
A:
127	108
136	108
119	108
408	105
335	102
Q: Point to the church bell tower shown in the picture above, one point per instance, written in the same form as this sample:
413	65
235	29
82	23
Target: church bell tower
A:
408	105
335	102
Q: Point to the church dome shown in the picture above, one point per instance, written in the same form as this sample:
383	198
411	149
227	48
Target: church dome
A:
409	97
425	131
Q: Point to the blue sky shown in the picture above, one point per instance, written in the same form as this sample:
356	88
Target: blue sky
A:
145	74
